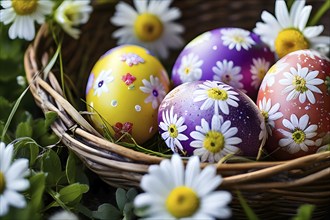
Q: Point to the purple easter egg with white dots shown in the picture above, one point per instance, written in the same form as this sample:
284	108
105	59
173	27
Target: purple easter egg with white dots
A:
210	119
234	56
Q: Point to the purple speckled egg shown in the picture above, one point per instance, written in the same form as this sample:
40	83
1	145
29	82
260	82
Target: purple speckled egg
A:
234	56
210	119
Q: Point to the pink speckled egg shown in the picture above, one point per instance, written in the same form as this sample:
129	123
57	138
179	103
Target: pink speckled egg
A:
210	119
294	99
234	56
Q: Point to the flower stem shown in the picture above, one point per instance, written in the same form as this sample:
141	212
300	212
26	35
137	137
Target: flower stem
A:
316	18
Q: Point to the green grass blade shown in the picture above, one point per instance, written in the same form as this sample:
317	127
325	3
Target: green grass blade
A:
46	70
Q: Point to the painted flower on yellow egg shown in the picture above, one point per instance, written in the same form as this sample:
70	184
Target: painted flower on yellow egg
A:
128	79
131	59
100	84
155	90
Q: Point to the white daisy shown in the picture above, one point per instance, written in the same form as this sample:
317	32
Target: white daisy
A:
258	69
100	84
206	36
23	14
236	38
301	83
63	215
216	94
12	180
286	32
298	135
226	72
214	143
155	90
190	68
270	114
174	192
172	127
151	26
71	14
269	78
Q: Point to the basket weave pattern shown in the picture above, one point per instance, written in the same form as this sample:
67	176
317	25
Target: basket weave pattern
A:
273	189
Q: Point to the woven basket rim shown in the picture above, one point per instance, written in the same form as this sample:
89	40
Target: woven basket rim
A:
87	131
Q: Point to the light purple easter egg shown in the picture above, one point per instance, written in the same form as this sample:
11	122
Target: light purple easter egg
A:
210	119
234	56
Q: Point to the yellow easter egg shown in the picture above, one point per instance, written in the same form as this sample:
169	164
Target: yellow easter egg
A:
124	90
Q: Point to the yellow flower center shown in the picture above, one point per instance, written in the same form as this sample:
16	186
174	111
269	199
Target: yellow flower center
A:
2	182
182	202
148	27
261	73
24	7
300	84
289	40
214	141
265	114
187	70
173	131
238	39
218	94
298	136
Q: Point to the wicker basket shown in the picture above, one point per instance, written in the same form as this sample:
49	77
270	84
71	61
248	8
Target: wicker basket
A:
273	189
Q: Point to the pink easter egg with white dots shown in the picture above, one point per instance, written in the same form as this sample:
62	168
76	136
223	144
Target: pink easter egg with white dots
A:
294	98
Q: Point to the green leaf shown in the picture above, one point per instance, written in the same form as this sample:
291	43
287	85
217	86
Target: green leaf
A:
70	168
36	191
50	118
9	70
26	147
13	111
131	194
48	139
51	164
5	107
121	198
128	211
247	209
84	210
71	193
24	129
107	211
39	128
304	212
